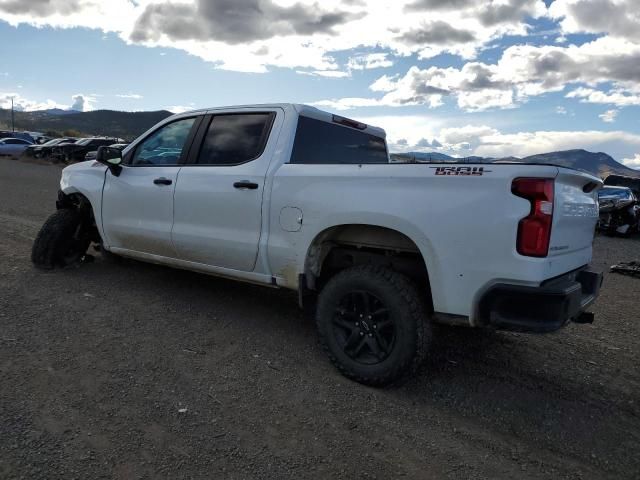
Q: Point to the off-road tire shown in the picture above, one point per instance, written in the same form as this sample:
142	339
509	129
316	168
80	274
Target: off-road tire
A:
50	248
407	308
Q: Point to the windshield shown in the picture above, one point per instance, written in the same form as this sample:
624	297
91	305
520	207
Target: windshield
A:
52	142
83	141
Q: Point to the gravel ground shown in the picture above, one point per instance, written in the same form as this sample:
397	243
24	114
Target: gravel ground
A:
138	371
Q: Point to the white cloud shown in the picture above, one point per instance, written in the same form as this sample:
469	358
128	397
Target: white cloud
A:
111	16
251	35
384	84
133	96
348	103
21	103
370	61
609	116
617	143
619	18
560	110
82	102
488	141
411	128
632	162
325	73
522	71
616	97
179	108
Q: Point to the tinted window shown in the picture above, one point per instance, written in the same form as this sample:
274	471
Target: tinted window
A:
164	146
322	142
17	141
235	138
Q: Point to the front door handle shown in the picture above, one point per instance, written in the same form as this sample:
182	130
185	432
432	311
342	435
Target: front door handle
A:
163	181
245	184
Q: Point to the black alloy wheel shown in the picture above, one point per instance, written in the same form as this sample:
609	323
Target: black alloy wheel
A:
363	327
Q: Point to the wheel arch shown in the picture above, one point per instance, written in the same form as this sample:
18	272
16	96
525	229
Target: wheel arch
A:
349	244
76	199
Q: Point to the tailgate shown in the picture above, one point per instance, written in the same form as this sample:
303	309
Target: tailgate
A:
575	212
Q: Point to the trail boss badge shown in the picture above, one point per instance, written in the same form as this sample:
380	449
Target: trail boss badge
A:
474	171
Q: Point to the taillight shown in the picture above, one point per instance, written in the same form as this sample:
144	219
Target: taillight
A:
534	230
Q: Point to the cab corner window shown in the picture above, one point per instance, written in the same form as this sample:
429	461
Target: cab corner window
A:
165	146
235	138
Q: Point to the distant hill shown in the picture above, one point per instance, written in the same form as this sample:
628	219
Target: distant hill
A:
599	164
423	157
127	125
59	111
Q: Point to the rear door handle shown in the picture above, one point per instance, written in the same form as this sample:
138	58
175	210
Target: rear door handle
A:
246	184
163	181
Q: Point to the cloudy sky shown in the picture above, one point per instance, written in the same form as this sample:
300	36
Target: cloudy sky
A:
493	78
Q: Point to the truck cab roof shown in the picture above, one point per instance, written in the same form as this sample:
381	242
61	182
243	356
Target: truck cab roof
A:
299	109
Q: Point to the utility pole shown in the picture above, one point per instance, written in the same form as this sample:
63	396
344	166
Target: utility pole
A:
13	128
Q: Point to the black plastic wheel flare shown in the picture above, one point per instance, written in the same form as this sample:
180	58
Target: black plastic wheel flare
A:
363	327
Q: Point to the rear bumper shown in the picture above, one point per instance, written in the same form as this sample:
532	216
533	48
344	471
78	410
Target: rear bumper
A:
545	308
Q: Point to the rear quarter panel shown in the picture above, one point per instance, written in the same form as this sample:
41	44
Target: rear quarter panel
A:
465	226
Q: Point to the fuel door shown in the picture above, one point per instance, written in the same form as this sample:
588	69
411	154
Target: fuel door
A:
291	219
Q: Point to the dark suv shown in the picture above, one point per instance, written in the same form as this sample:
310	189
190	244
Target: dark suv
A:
75	152
44	150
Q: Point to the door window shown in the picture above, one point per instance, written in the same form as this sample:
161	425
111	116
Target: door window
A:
235	138
165	146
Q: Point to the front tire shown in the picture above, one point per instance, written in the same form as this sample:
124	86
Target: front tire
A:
373	324
62	240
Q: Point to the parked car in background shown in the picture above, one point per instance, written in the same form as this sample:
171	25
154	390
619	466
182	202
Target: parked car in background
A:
20	135
92	155
44	150
619	210
43	139
624	181
13	147
75	152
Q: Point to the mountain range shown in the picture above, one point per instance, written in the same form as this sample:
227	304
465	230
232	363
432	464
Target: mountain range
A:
110	123
128	125
599	164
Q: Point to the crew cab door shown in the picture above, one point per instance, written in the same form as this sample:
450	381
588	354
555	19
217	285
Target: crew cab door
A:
218	198
137	205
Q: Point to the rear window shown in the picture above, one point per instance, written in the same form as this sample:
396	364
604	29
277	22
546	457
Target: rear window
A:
321	142
236	138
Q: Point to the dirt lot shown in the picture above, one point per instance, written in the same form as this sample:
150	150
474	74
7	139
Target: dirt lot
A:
139	371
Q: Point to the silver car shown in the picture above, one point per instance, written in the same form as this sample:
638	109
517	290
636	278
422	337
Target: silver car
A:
13	147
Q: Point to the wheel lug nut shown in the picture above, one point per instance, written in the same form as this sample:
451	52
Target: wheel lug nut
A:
371	334
357	323
361	333
375	326
361	315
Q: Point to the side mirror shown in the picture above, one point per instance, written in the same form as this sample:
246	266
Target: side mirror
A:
111	157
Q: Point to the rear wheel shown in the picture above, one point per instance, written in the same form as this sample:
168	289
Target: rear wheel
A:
373	325
63	240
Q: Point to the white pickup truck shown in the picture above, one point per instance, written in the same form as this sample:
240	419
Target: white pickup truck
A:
289	196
